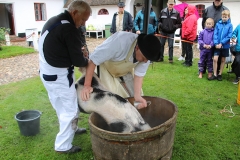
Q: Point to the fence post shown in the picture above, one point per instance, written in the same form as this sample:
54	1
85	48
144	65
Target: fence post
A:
35	41
7	39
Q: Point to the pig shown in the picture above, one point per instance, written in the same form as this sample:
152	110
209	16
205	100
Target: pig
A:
120	115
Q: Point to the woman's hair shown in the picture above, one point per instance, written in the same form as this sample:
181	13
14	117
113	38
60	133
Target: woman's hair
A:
226	13
209	20
184	12
80	6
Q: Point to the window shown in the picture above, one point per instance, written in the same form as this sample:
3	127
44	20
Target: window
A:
200	9
40	11
103	12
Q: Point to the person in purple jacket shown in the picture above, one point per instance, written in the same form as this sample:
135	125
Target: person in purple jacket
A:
205	40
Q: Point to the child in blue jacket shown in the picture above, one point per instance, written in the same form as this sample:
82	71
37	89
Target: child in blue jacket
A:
221	38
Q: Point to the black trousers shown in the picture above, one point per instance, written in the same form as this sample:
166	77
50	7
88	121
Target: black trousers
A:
189	53
236	65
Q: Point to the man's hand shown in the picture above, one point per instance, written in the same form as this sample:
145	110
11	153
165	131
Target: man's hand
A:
142	102
85	51
85	93
138	32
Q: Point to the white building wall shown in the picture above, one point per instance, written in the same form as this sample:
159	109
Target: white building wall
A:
99	21
24	12
24	17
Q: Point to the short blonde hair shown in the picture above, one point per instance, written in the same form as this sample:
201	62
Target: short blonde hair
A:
226	13
209	20
79	5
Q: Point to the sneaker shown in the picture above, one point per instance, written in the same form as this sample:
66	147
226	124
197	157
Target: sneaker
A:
187	65
212	78
235	81
181	58
219	77
170	61
74	149
80	131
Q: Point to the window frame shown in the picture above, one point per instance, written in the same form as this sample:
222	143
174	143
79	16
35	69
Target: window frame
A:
105	11
40	12
200	8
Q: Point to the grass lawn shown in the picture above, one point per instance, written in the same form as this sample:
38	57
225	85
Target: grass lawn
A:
202	132
10	51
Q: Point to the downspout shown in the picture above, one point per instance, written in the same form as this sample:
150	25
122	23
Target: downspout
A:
146	15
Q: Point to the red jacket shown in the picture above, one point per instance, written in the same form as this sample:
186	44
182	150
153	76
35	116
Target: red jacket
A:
189	25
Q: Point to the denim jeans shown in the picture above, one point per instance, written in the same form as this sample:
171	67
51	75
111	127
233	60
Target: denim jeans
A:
169	37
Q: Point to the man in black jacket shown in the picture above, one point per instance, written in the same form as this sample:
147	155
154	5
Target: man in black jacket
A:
59	51
169	21
122	20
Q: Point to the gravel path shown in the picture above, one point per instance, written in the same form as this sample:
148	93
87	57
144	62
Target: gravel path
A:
25	66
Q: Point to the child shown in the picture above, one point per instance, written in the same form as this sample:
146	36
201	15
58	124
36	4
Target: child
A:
189	33
236	62
221	38
205	41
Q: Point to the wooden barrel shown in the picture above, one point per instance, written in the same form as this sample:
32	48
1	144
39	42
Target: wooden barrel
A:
153	144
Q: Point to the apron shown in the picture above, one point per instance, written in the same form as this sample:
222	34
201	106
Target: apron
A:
111	71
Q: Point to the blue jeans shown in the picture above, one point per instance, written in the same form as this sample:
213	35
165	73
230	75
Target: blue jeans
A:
170	37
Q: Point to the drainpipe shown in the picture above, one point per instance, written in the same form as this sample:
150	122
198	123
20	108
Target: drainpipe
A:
146	15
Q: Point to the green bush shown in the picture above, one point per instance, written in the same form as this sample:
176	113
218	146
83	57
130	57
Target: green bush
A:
3	31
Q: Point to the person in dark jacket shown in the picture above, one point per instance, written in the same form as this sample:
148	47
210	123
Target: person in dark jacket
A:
169	20
182	57
122	20
59	51
215	12
82	31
